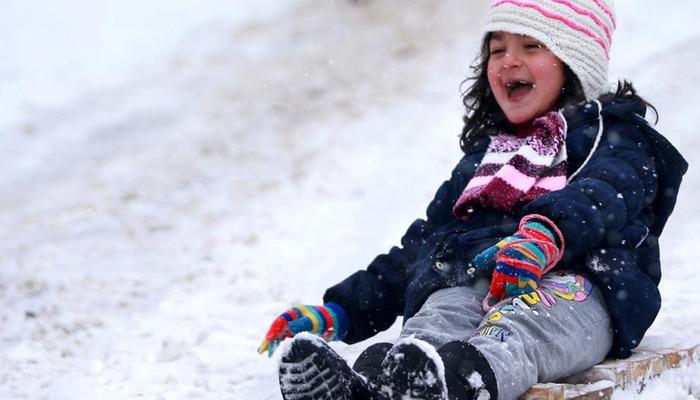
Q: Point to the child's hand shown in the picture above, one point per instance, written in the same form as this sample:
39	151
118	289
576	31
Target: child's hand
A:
519	267
521	259
328	321
487	258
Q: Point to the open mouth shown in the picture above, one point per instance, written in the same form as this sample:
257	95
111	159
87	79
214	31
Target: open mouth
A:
519	88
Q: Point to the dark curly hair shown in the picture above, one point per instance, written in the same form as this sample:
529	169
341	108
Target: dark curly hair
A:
484	116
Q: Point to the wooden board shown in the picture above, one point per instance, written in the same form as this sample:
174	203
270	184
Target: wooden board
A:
650	359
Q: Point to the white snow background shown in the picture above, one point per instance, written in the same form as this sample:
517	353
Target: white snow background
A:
177	173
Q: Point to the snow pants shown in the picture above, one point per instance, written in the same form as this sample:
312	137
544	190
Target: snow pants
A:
560	329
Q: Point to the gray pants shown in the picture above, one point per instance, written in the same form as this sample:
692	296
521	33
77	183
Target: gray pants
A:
560	329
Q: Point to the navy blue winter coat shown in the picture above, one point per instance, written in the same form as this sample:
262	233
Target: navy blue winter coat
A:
611	214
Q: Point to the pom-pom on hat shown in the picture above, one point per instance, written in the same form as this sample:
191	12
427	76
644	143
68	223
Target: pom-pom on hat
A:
578	32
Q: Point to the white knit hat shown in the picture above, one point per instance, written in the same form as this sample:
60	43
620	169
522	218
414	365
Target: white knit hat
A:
578	32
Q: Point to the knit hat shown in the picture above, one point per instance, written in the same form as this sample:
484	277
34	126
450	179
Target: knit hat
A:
578	32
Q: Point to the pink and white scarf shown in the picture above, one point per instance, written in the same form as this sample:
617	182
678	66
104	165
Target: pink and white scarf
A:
518	167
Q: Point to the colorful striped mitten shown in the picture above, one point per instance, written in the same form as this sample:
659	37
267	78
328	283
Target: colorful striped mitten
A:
328	321
521	259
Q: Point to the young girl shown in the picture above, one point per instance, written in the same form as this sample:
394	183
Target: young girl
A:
539	257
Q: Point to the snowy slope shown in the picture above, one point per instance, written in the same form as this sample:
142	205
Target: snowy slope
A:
162	203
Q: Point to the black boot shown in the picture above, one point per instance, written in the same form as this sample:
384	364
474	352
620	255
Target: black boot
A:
468	374
369	363
310	370
412	369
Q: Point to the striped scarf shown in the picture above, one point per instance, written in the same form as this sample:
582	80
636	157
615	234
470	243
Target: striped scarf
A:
518	167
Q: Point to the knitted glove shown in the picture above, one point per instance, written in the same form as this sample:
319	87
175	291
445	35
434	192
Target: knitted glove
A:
328	321
521	259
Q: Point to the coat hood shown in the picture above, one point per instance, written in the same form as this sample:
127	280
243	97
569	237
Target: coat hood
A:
670	164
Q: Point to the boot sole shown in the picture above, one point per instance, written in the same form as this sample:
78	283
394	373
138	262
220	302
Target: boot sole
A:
310	370
408	372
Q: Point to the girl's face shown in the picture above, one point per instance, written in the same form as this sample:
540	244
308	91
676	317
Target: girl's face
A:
525	77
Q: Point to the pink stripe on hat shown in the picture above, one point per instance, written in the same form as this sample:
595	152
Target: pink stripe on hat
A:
589	14
558	17
607	11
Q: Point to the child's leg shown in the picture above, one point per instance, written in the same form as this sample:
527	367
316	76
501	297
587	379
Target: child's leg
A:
448	314
412	367
562	328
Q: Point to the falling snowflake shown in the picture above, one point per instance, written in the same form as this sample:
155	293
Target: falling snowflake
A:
596	265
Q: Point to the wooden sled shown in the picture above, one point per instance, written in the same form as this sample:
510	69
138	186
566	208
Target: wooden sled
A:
650	359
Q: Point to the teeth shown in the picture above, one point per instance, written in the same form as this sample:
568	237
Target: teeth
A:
512	85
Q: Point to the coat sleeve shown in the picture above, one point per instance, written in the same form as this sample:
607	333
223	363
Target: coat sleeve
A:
610	191
374	297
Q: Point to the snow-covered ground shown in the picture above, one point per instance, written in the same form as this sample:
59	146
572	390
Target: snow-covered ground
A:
176	173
